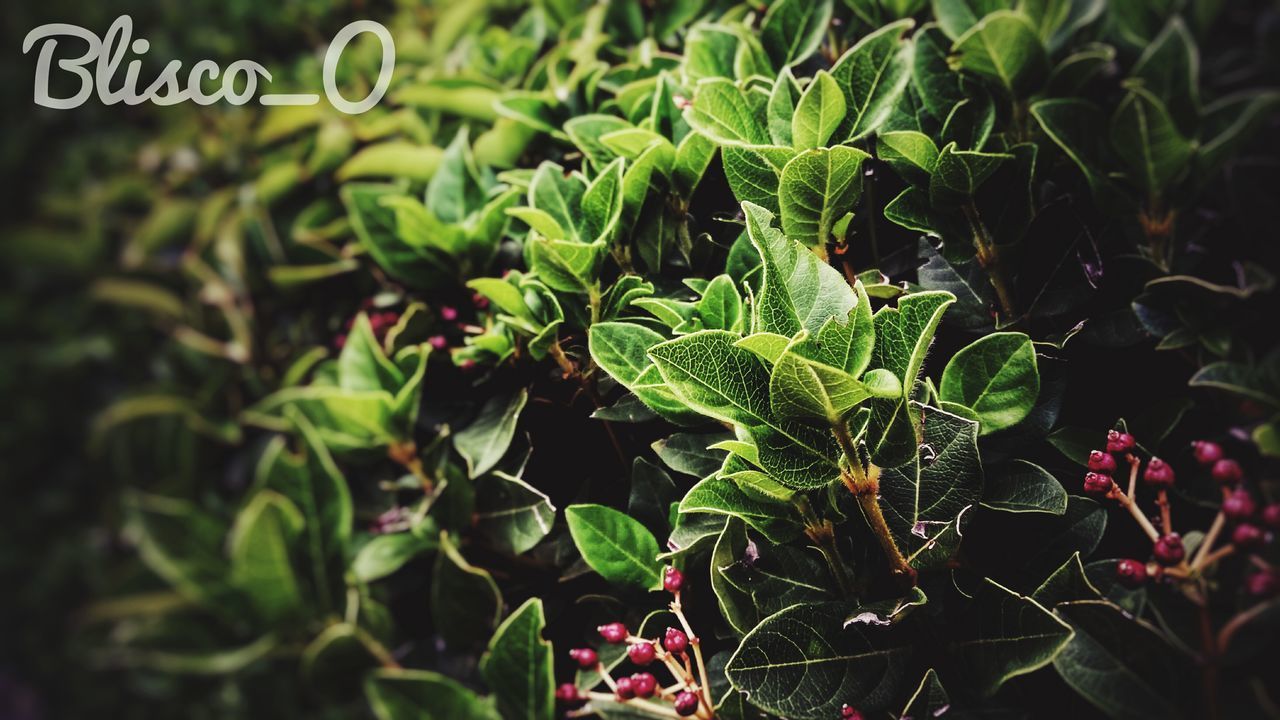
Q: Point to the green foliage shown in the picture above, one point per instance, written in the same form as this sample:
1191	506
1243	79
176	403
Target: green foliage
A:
821	303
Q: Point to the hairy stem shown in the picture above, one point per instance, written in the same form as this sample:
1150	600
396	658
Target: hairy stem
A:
865	488
823	536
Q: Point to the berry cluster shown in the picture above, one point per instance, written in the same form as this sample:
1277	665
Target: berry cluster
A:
678	652
1250	528
379	322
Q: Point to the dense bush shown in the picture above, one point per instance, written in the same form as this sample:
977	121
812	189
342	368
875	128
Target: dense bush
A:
798	359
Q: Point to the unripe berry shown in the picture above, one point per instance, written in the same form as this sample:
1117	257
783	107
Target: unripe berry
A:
641	653
644	684
1169	550
1131	573
568	694
1101	462
623	689
849	713
1097	483
585	657
1238	506
1158	473
613	633
1118	442
1271	516
672	580
675	641
1247	536
1227	471
1206	453
1262	584
686	703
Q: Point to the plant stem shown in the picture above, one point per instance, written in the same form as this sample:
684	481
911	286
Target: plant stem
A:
989	258
566	365
1209	648
1166	514
704	687
823	536
1209	539
1127	499
866	490
376	649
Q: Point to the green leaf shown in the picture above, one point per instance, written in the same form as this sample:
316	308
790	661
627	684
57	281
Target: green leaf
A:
558	196
519	666
385	554
959	173
818	114
799	291
717	379
912	155
755	173
1004	46
1170	69
1121	664
465	601
1067	583
793	29
873	74
260	546
1022	486
722	112
736	605
781	110
926	500
615	545
423	695
720	307
1004	635
455	189
691	453
514	515
803	663
1227	123
817	188
777	577
776	520
602	206
483	443
376	227
567	266
1146	139
996	377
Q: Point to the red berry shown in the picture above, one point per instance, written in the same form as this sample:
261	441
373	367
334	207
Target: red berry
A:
641	653
448	313
585	657
686	703
613	633
1158	473
568	694
1238	506
1207	453
1101	462
481	302
438	342
672	580
644	684
1247	536
1118	442
1262	584
1227	471
623	689
1097	483
1271	516
1131	573
847	712
675	641
1169	550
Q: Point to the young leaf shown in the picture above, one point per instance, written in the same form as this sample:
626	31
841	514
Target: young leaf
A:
873	75
615	545
799	290
781	110
775	520
793	29
755	173
1148	142
996	377
721	112
818	114
519	666
817	188
1005	46
804	663
260	545
483	443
